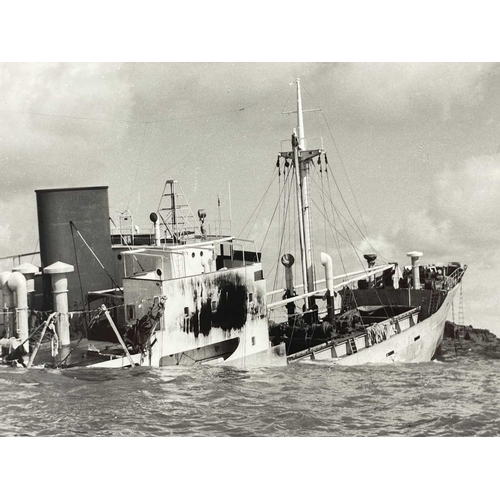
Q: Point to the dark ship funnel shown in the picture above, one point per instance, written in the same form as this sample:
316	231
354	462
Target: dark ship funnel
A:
88	208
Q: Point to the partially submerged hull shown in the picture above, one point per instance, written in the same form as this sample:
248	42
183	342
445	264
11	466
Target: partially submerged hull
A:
416	344
208	318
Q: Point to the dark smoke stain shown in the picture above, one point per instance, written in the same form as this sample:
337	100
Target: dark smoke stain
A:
232	307
206	316
225	307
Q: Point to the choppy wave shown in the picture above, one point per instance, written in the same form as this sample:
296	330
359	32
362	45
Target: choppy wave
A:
458	396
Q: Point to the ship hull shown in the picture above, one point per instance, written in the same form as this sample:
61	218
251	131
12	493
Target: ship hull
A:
417	344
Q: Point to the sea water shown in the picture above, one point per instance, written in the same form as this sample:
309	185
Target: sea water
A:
456	396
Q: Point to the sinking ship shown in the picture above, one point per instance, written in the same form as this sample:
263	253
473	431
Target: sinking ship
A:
380	314
186	292
177	295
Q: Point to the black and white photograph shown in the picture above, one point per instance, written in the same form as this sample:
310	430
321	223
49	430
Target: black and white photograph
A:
211	246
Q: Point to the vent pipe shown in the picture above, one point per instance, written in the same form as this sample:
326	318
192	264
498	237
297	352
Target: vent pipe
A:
28	271
17	283
57	272
370	259
326	260
8	301
153	217
288	260
415	268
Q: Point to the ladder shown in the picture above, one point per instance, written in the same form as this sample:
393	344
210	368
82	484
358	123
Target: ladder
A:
461	319
347	300
434	303
352	345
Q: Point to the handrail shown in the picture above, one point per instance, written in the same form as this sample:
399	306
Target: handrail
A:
322	291
454	278
340	276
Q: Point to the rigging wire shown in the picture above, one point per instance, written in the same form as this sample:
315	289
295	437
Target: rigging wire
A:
352	217
339	233
335	234
208	139
175	164
124	120
71	223
286	203
347	177
345	218
79	276
288	99
270	223
291	232
324	206
279	218
259	206
363	267
34	251
345	170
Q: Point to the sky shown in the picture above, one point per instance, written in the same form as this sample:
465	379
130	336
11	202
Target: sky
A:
414	147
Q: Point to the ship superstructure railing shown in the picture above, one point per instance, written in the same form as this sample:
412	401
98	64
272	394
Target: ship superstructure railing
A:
344	277
9	261
228	252
454	278
321	292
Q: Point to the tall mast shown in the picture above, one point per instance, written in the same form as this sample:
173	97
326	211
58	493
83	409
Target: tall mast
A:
300	211
303	164
301	158
300	119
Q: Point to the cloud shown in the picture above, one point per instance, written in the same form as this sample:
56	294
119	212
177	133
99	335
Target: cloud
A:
458	222
58	116
394	92
468	197
458	214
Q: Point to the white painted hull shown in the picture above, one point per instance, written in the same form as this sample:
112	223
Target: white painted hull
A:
415	345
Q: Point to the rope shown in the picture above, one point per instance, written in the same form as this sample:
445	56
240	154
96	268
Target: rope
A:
93	253
352	217
345	218
324	208
345	170
286	204
34	251
78	270
270	223
257	207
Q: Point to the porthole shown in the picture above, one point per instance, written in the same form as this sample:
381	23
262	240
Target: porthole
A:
192	255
